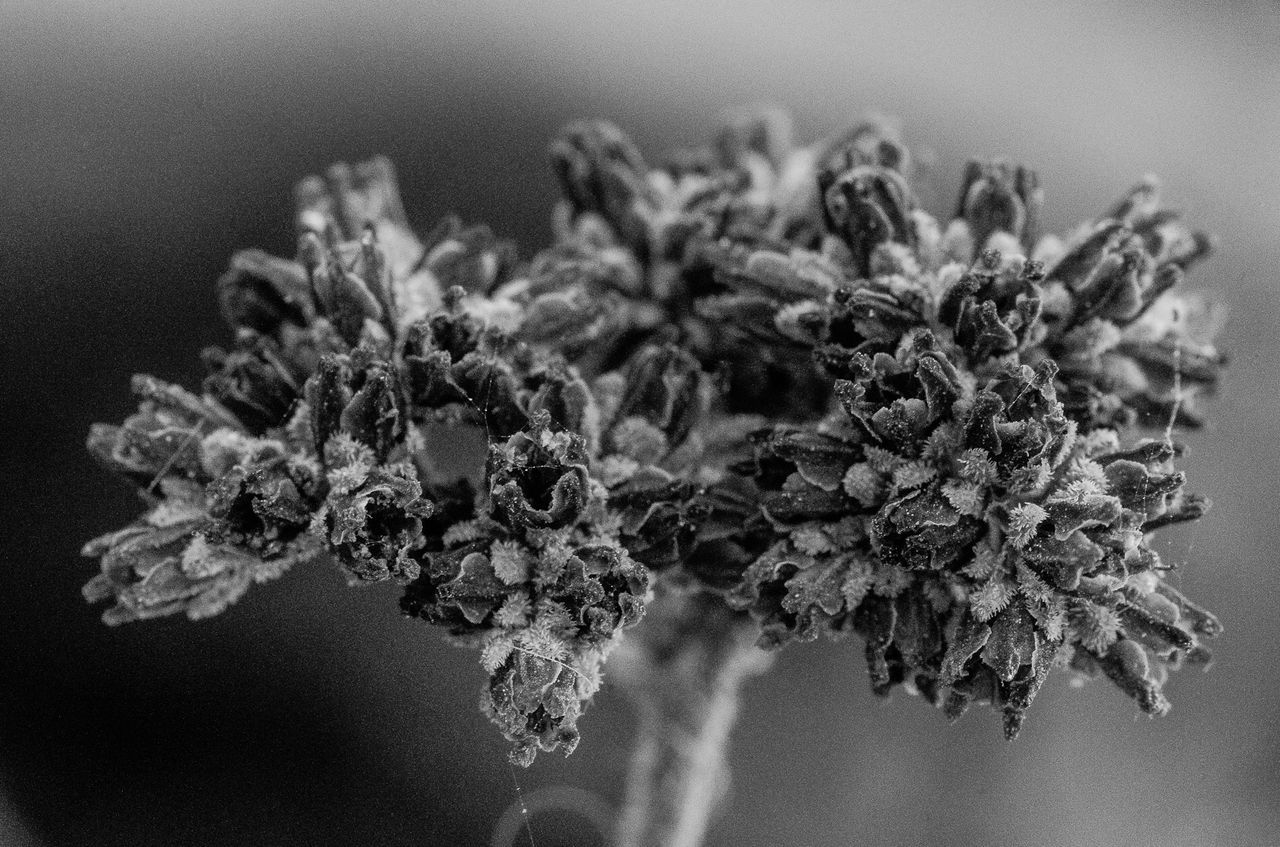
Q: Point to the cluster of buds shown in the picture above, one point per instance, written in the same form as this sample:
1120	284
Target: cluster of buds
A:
967	506
759	375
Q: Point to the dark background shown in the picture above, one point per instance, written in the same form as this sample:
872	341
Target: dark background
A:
142	142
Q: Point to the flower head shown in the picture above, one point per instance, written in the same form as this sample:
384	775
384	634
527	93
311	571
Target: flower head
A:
760	370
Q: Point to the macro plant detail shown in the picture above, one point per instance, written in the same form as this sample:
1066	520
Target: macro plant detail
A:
748	397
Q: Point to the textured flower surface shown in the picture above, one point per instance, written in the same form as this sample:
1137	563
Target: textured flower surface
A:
759	373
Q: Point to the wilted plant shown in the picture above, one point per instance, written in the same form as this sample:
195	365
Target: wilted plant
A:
746	398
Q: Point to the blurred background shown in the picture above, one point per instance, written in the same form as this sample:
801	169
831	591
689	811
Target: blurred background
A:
141	142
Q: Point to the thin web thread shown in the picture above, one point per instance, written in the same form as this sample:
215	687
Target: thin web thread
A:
1177	394
524	807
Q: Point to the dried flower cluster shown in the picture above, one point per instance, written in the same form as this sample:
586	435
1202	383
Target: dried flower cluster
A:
761	372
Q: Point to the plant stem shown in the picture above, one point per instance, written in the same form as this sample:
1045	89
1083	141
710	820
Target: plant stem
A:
685	674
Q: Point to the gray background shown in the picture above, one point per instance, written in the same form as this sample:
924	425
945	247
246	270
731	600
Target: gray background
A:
141	142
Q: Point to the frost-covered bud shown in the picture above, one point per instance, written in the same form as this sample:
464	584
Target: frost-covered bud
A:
163	437
568	319
601	172
539	580
167	562
226	509
358	395
261	292
456	371
664	388
538	479
1120	276
768	132
536	699
349	200
342	296
263	506
999	197
471	258
654	408
372	515
867	206
256	381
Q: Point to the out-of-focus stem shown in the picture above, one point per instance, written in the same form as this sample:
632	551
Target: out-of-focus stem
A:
685	672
